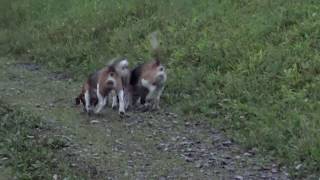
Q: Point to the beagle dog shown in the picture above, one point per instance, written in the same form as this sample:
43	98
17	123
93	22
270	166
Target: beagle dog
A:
147	83
96	89
122	69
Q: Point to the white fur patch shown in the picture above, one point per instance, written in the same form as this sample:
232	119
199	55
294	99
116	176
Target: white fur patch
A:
87	100
124	63
112	80
121	101
101	100
148	85
114	101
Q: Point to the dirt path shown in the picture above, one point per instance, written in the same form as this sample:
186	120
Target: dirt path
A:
158	145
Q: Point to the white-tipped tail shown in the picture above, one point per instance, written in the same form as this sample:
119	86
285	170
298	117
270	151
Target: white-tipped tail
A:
154	40
124	62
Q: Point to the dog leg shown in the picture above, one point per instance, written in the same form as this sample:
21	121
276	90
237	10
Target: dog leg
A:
156	104
87	101
128	99
114	100
121	102
101	100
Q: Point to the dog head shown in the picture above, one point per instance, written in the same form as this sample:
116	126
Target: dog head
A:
160	75
122	67
110	77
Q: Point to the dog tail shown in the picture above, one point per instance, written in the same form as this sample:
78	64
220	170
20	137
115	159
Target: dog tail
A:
155	45
154	40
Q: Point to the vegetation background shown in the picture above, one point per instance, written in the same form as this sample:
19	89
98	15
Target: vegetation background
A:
251	67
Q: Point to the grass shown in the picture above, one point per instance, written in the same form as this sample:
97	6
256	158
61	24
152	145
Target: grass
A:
253	64
29	155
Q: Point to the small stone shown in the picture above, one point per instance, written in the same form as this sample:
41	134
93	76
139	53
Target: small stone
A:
223	162
150	124
55	177
227	143
253	151
199	164
265	168
238	177
214	114
94	122
264	176
188	159
174	138
30	137
174	115
274	170
298	167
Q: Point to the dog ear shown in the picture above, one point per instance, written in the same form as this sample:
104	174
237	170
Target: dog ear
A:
157	62
112	69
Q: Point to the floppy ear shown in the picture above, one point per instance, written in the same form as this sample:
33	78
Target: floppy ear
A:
156	63
112	69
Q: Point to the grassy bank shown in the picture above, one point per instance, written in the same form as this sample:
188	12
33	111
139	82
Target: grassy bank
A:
252	67
27	148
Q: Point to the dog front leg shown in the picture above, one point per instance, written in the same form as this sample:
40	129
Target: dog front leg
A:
102	100
121	102
156	104
127	99
114	100
87	102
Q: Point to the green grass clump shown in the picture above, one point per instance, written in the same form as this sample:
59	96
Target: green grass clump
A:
29	156
254	63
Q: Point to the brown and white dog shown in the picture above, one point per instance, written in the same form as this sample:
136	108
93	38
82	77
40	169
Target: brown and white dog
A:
96	89
147	80
89	92
122	69
147	83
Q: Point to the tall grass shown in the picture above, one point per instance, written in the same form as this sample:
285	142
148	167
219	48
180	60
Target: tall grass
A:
254	63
